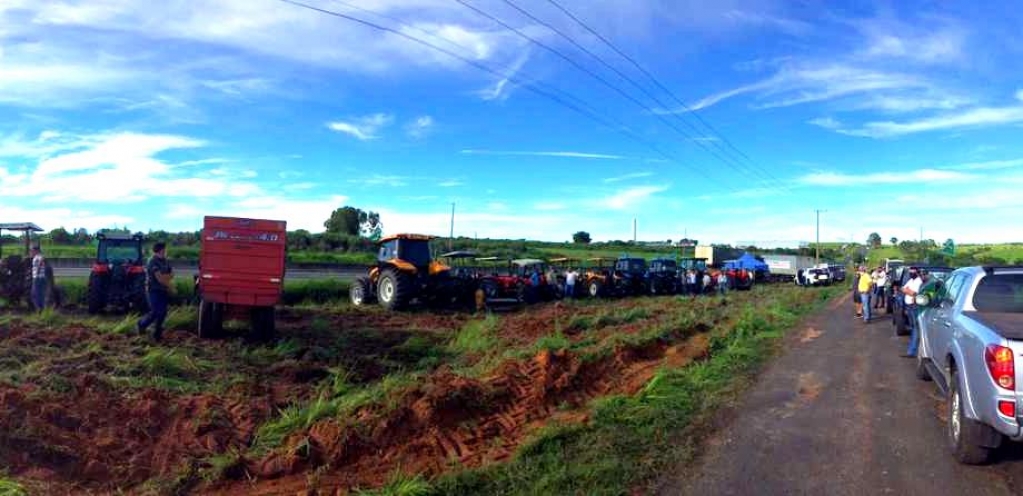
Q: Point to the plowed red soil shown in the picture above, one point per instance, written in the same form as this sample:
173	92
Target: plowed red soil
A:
455	421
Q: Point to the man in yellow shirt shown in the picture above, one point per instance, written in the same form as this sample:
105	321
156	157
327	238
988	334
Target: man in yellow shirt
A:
865	288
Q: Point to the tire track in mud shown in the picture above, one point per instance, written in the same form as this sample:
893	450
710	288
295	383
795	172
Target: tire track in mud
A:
452	421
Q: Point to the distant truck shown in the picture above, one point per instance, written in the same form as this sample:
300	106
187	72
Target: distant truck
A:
716	255
241	273
971	338
786	267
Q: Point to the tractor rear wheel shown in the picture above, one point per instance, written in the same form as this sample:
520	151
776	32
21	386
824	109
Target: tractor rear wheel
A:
490	288
394	289
211	319
96	294
361	292
139	301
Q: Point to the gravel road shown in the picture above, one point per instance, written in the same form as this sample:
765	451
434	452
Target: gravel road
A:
840	413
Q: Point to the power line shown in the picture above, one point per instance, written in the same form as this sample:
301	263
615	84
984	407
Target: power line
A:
610	123
657	83
593	75
641	88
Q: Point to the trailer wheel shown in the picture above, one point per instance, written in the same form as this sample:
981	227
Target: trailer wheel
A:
263	323
211	320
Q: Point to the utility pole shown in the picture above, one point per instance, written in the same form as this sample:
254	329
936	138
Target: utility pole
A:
817	246
451	236
633	230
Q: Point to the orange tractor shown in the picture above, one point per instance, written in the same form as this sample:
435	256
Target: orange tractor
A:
405	272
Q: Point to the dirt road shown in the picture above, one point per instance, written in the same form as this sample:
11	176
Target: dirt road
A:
840	413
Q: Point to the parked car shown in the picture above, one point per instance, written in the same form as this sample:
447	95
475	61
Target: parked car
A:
819	275
898	301
971	334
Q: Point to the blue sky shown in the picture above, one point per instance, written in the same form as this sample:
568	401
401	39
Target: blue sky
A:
891	116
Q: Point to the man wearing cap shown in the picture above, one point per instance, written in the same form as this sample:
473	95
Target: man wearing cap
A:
864	284
39	285
909	291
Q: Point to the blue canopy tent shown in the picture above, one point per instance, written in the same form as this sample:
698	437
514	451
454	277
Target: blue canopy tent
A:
749	262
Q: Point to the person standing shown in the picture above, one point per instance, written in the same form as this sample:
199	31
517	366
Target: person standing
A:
880	281
159	278
706	287
39	282
722	283
857	302
865	288
570	277
909	291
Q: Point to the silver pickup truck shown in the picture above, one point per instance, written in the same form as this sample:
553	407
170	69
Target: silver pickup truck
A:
971	338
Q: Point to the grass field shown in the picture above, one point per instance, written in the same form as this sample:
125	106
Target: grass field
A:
580	397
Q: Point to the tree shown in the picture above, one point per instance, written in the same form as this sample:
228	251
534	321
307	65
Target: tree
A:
60	236
949	248
874	240
582	238
370	225
894	240
344	220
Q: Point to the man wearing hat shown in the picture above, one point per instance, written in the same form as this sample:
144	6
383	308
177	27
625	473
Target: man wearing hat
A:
38	279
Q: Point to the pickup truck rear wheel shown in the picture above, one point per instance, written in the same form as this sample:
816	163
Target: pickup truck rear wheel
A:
964	434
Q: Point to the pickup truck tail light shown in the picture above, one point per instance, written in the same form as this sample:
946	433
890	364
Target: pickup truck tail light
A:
1001	365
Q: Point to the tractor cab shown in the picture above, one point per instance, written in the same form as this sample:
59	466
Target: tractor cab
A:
118	275
662	276
663	265
697	264
630	275
630	266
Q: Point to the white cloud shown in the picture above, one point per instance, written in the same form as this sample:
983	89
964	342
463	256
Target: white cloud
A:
923	43
825	122
976	117
631	196
918	177
1019	95
420	127
363	128
83	168
383	180
302	213
989	165
450	183
502	88
596	156
626	177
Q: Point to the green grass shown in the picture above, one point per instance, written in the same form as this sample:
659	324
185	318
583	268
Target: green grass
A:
298	418
9	487
632	439
168	363
400	485
476	336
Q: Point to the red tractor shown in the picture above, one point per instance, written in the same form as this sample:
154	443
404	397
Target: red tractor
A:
241	273
118	276
516	283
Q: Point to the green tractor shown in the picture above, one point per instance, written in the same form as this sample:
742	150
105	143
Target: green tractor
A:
405	272
118	276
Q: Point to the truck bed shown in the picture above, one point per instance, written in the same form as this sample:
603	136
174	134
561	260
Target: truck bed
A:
1007	325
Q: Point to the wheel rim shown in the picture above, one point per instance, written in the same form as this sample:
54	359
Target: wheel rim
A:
953	419
386	289
593	290
357	295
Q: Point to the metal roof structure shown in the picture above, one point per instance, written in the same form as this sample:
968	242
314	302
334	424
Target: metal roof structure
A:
20	226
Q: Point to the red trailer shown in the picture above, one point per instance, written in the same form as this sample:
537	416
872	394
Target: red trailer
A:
241	273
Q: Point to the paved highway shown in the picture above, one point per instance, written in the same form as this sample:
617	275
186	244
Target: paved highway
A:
840	413
292	274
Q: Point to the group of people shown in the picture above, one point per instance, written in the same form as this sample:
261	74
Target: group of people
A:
871	289
158	287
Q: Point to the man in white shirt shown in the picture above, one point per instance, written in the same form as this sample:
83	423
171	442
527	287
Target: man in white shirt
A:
38	279
570	277
909	291
880	281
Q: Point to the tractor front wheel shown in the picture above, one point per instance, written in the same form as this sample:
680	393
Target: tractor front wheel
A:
394	289
361	292
594	289
96	295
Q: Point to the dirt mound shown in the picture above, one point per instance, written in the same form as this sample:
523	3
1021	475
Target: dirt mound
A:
457	421
95	437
